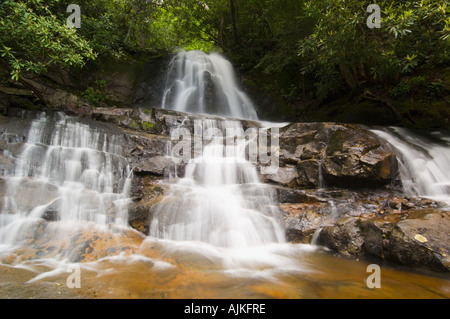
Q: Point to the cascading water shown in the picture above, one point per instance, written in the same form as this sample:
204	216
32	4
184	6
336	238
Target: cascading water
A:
202	83
67	172
217	233
220	201
424	162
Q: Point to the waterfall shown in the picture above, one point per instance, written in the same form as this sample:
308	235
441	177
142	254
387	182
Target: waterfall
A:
68	172
220	201
424	161
201	83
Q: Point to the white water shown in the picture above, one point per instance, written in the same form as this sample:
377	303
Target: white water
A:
220	201
219	210
67	169
220	207
206	84
424	163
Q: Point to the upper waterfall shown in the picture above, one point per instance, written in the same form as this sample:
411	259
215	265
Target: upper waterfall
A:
205	83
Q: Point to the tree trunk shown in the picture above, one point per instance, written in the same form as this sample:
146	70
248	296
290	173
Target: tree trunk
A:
348	76
222	21
233	21
24	83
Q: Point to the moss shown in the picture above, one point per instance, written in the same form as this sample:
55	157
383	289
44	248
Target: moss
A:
148	126
134	125
158	189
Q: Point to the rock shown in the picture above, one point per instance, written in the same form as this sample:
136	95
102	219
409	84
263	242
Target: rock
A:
158	165
410	242
290	195
309	174
422	242
345	236
335	155
150	192
302	222
285	176
376	237
80	244
32	193
355	157
134	119
410	231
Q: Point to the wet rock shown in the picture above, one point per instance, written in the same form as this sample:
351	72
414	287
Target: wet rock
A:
31	193
410	231
157	165
134	119
291	195
302	222
336	155
422	242
140	211
354	158
345	236
376	237
309	174
285	176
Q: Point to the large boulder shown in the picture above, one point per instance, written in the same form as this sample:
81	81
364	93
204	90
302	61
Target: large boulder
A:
328	154
414	242
345	236
356	157
422	241
379	224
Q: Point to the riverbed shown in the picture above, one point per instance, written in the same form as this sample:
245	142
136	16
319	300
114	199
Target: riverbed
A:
170	270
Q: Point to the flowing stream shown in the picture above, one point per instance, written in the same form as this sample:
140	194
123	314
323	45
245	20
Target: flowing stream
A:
218	233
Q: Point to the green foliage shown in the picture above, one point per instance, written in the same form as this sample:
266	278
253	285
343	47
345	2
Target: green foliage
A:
342	47
96	95
32	38
418	85
291	47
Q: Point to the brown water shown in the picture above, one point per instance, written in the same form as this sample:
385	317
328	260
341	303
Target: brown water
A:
170	270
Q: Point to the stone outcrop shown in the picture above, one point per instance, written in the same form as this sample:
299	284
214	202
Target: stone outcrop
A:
328	154
382	225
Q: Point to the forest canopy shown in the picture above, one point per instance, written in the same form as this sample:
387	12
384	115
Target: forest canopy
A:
324	47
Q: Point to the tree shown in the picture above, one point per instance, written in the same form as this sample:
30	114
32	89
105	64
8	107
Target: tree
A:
342	49
32	38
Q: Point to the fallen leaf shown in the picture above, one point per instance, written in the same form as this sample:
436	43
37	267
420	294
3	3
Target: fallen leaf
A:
420	238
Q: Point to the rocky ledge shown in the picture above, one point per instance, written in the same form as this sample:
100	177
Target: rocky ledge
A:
380	224
337	184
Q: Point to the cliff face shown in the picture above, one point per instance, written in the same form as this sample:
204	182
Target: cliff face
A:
129	82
